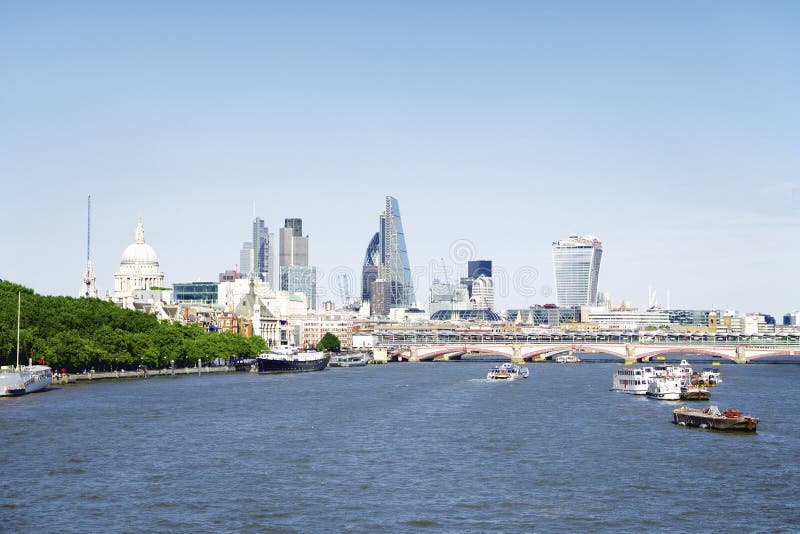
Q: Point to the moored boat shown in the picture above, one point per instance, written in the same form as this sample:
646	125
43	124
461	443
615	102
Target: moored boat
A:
664	388
711	417
290	360
30	378
694	392
507	371
634	380
359	359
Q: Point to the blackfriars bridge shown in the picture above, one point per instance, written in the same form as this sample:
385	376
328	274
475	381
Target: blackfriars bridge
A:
427	346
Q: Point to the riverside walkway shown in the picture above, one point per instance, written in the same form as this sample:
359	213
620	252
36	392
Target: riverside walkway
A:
72	378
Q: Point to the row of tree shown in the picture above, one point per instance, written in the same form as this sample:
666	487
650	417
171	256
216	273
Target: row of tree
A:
78	334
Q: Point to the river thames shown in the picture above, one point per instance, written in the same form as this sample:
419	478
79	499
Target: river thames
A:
402	447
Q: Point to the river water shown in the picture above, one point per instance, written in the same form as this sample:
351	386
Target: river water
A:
402	447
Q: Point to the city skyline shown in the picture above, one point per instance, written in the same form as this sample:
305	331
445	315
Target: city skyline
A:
668	130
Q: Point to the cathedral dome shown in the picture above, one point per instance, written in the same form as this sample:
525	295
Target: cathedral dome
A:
139	252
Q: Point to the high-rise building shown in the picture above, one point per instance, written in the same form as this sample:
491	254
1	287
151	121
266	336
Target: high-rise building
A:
257	257
394	267
296	225
476	268
483	292
295	273
576	268
369	271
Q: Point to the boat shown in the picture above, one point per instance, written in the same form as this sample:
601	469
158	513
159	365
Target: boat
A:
634	380
711	417
507	371
664	388
290	360
242	364
694	392
11	382
710	377
358	359
19	380
567	358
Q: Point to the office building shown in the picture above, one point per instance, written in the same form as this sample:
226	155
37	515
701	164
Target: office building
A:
369	269
576	268
394	267
196	292
256	258
295	273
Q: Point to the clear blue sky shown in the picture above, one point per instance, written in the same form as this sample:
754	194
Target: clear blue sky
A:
670	130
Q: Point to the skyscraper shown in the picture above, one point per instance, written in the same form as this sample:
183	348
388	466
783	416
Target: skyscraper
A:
576	268
295	273
369	271
257	257
394	266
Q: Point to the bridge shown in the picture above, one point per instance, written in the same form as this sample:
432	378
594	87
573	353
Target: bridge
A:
427	346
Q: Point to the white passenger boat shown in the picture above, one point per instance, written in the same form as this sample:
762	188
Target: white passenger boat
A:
710	376
665	388
18	380
507	371
632	380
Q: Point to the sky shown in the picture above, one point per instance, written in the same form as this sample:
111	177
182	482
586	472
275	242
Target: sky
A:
669	130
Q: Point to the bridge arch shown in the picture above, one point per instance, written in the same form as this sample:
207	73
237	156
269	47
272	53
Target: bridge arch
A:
728	355
789	353
529	352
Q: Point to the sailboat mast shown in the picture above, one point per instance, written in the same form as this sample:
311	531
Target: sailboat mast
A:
19	309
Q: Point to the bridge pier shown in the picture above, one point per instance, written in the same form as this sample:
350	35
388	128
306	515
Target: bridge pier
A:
413	354
630	353
741	355
516	356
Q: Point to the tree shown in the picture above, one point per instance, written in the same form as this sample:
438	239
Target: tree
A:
329	342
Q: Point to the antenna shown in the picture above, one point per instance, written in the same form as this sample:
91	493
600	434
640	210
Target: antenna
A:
88	228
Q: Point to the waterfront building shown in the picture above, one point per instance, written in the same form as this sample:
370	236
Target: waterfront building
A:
313	329
196	292
280	303
548	315
576	268
627	320
469	316
369	269
138	270
394	266
689	317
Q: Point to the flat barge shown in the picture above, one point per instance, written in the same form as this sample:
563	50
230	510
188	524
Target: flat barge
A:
710	417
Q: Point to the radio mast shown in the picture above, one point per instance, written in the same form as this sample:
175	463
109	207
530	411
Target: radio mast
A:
89	280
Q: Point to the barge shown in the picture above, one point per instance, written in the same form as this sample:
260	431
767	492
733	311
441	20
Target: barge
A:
711	417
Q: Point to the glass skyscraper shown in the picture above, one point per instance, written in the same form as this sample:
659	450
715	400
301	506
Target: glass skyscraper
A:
394	266
295	273
576	267
369	270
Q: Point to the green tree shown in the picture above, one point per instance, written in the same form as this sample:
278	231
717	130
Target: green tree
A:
328	343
